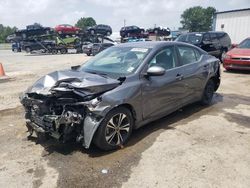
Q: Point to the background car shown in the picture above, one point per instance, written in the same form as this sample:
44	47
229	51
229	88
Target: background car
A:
34	30
215	43
101	29
238	57
87	48
160	31
35	45
121	89
98	47
68	40
67	29
131	31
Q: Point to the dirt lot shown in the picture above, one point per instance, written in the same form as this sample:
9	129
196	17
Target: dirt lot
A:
193	147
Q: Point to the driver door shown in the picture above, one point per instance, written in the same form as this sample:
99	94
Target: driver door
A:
162	94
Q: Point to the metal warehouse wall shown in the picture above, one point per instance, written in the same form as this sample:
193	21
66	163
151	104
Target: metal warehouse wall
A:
236	24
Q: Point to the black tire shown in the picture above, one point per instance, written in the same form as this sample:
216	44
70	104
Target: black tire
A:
54	51
63	51
108	138
208	93
88	54
27	49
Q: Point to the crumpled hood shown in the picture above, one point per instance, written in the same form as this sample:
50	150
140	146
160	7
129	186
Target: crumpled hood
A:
70	80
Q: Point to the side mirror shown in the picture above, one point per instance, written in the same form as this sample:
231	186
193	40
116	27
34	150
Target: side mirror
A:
155	71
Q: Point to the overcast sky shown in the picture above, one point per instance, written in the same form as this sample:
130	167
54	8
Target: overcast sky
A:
144	13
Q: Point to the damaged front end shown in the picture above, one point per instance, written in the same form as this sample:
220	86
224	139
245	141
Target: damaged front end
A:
61	105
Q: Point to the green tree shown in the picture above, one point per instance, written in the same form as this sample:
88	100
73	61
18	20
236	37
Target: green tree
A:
85	22
197	19
6	31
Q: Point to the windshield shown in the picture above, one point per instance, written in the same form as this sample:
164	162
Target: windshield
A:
244	44
116	61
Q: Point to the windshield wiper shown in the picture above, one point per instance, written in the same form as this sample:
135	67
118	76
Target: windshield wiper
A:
98	73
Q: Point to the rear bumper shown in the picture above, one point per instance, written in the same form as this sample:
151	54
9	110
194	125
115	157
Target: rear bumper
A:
236	64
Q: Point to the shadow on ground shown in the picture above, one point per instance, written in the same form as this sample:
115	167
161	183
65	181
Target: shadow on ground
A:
80	167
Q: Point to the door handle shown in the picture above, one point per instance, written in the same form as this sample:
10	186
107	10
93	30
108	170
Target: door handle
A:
179	77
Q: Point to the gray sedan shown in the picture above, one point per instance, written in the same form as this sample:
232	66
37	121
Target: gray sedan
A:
121	89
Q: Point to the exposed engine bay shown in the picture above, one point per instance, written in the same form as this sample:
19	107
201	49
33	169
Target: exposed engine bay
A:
62	104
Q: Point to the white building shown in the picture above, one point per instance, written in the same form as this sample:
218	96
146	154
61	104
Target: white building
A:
234	22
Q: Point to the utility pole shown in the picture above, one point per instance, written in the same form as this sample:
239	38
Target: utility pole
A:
124	21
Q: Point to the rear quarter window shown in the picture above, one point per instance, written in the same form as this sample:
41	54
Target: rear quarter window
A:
188	54
182	38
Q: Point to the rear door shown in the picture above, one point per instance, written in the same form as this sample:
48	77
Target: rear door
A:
194	70
162	94
216	44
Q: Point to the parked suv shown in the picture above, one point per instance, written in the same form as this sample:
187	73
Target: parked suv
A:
100	29
131	31
215	43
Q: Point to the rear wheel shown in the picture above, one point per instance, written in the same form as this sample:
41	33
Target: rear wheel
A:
115	129
27	49
208	93
63	51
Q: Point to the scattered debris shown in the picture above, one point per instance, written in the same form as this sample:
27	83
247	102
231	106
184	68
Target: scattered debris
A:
104	171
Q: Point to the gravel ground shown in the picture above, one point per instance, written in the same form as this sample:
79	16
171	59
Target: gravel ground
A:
193	147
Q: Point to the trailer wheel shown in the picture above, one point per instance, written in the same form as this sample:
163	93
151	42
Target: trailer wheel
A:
63	51
27	49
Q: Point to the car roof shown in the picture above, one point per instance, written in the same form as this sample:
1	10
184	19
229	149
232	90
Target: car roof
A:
157	44
150	44
203	32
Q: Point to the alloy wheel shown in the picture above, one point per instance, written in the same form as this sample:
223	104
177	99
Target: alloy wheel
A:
117	129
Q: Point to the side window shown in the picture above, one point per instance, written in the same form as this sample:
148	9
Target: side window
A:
197	54
182	38
187	55
165	59
206	37
213	37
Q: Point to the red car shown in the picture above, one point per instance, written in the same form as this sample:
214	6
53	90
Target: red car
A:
66	29
238	57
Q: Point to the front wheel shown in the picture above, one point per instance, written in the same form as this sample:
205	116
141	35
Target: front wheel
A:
208	93
115	129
